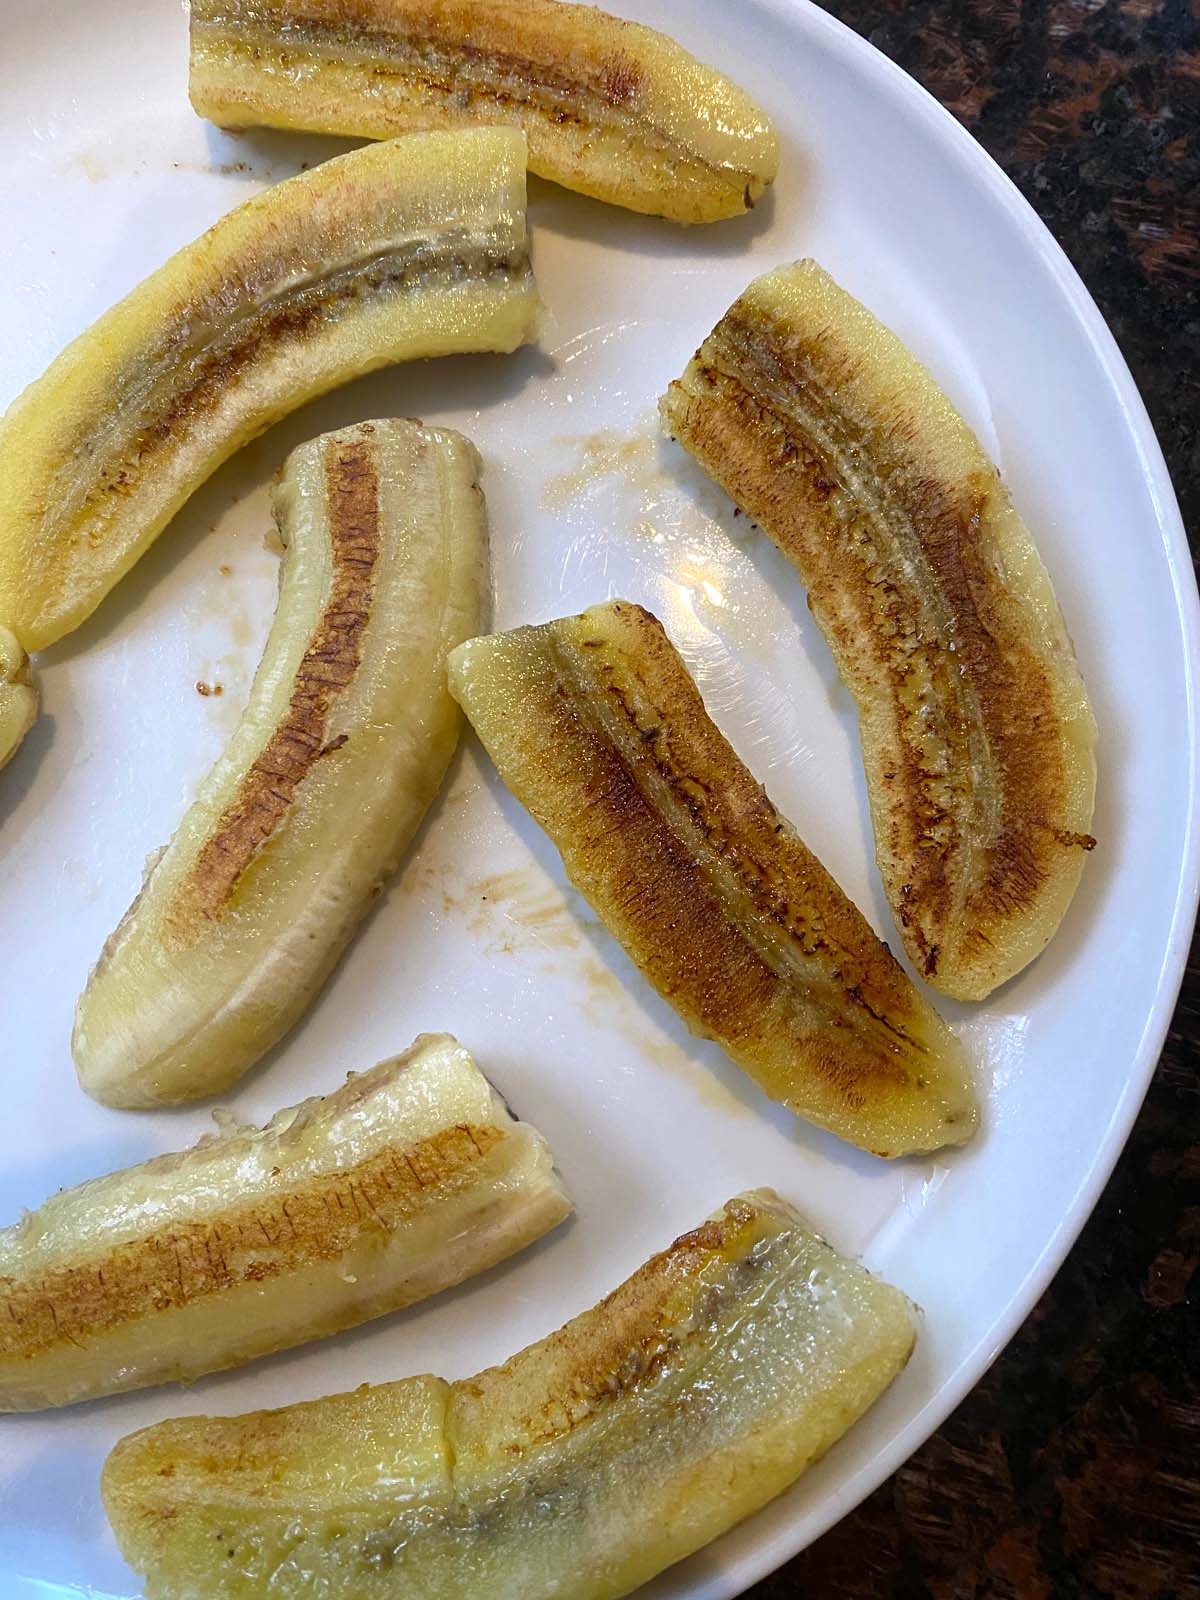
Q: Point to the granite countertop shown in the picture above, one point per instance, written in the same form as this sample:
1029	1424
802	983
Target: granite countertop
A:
1074	1468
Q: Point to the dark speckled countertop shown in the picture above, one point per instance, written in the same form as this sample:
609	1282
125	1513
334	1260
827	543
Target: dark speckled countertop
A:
1073	1470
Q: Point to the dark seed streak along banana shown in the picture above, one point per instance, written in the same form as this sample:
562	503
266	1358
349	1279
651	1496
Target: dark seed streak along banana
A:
410	1178
976	730
688	1398
595	725
243	916
407	249
610	108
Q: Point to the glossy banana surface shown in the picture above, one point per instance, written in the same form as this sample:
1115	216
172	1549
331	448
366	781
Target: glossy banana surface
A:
411	1177
412	248
610	108
18	696
596	726
344	742
976	730
691	1396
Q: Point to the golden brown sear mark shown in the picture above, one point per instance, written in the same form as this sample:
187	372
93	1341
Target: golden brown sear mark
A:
621	78
599	729
690	911
314	1221
624	1343
445	63
772	873
190	382
900	581
329	663
459	73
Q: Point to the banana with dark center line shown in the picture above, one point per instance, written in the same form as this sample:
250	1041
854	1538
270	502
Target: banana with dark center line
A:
977	734
611	108
409	1178
597	728
412	248
693	1394
343	744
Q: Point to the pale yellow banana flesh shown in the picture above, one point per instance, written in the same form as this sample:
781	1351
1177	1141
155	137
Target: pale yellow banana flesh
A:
691	1396
344	742
18	696
410	1178
596	726
416	247
976	730
611	108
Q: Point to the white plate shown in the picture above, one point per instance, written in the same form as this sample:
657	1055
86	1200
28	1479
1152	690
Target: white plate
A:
106	170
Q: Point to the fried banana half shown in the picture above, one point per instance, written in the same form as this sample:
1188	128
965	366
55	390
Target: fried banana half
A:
18	696
977	734
597	728
344	742
610	108
412	248
410	1178
691	1396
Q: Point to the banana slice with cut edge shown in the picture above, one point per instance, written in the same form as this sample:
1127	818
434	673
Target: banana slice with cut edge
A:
410	1178
18	696
412	248
976	730
595	725
694	1394
345	740
611	108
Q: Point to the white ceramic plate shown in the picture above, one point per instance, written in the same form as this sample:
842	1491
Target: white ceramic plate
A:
105	172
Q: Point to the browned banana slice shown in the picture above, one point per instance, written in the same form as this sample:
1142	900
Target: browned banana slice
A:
976	729
597	728
693	1394
345	738
610	108
408	1179
412	248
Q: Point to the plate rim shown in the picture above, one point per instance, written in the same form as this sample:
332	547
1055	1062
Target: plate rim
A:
987	174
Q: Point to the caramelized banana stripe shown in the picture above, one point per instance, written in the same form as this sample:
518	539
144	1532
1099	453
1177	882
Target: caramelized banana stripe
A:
688	1398
243	916
610	108
976	731
412	248
410	1178
595	725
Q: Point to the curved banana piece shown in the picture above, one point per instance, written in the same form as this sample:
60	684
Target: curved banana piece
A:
342	746
410	1178
595	725
412	248
610	108
18	696
976	730
691	1396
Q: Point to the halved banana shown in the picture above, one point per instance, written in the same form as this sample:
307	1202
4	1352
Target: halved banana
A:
976	729
18	696
411	248
611	108
595	725
410	1178
691	1396
342	746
